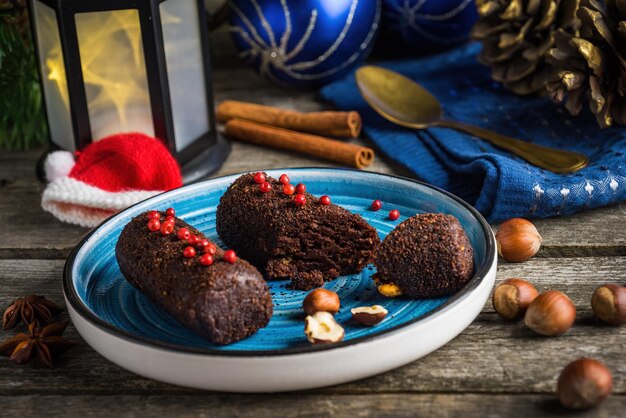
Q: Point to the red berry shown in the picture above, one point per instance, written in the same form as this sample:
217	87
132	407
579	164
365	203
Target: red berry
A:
203	243
376	205
394	214
259	178
230	256
193	239
189	252
284	179
154	225
167	228
265	187
300	188
170	219
153	214
299	200
210	249
289	189
325	200
183	233
206	259
170	212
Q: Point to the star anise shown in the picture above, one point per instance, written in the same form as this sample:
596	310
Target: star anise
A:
30	309
46	344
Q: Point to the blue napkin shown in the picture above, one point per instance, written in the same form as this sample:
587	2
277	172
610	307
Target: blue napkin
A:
497	183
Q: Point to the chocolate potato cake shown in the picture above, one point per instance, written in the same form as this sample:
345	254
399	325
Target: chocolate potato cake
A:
425	256
290	234
206	289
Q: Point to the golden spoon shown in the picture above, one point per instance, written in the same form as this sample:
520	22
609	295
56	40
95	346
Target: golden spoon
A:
406	103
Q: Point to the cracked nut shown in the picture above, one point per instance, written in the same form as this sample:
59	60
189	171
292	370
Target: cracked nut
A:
518	240
584	383
609	304
389	290
321	300
369	315
512	297
321	328
550	314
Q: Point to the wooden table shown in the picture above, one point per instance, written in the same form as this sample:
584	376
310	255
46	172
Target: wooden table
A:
494	368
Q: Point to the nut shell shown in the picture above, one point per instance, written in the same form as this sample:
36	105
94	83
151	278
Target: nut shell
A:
518	240
584	383
609	304
512	297
369	315
321	300
551	313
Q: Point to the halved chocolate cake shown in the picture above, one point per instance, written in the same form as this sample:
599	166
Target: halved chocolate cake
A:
290	234
426	256
208	290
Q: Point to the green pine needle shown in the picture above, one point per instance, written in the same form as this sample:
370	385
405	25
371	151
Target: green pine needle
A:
22	122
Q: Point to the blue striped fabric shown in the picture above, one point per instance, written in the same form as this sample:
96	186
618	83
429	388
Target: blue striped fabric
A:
500	185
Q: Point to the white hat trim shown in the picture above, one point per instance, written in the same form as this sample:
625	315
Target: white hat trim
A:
81	204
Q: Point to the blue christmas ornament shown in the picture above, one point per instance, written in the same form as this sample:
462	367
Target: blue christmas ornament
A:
429	25
305	43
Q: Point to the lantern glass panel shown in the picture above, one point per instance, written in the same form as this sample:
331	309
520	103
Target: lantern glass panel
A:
53	76
114	72
185	70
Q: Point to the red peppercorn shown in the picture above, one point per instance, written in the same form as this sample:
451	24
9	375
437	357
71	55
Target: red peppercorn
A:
189	252
265	187
289	189
376	205
325	200
394	214
206	259
259	178
299	199
284	179
153	214
203	243
193	239
167	228
183	234
170	219
210	249
300	188
230	256
170	212
154	225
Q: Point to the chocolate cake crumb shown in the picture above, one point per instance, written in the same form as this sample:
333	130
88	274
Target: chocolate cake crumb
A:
309	245
426	256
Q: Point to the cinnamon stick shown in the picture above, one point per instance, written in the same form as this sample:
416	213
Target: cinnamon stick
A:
329	123
337	151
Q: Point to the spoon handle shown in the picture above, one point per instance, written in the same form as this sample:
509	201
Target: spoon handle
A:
556	160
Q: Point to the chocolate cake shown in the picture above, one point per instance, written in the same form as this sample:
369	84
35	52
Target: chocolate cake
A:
293	236
425	256
222	301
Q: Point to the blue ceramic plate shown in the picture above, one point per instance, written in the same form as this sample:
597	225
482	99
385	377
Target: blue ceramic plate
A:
102	302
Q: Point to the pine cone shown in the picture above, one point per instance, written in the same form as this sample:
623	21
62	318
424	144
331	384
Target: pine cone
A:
592	63
517	34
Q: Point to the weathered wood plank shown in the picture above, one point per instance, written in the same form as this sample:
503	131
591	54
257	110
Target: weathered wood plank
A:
305	405
492	355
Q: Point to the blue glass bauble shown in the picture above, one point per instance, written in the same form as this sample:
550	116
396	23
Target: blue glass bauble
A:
429	25
304	43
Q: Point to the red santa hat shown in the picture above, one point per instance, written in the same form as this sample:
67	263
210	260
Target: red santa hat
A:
106	177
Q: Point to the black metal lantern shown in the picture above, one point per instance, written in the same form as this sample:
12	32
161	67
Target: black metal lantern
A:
112	66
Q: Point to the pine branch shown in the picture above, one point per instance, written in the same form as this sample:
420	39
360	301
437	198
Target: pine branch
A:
22	122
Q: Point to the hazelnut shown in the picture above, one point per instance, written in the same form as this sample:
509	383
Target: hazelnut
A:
551	313
321	300
518	240
369	315
584	383
389	290
512	297
609	303
321	327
